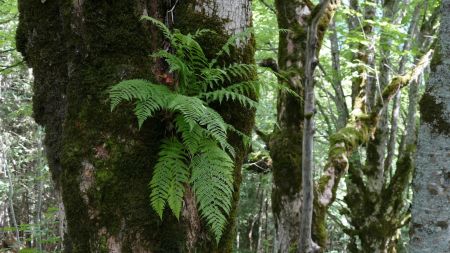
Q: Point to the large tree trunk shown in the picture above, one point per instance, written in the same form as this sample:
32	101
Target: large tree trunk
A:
430	226
99	160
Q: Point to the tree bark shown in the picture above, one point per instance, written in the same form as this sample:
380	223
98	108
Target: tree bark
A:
99	160
431	204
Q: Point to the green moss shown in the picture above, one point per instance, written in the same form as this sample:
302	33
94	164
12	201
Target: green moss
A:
293	248
286	153
319	227
350	136
103	244
437	57
434	114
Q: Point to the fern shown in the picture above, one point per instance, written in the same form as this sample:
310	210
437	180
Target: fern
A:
212	180
197	152
225	50
169	176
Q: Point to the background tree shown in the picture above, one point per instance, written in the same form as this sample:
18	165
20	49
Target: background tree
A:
285	141
376	188
29	213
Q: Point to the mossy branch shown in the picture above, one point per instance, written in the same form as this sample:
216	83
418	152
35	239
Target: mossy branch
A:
399	82
324	12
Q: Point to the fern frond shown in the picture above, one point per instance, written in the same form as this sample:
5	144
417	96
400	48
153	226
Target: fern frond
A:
169	176
194	110
231	42
235	92
192	50
199	153
202	32
245	87
217	128
176	65
214	77
212	181
226	95
240	70
245	138
191	134
137	89
161	26
145	109
149	97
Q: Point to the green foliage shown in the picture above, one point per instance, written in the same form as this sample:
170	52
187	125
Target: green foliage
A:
196	154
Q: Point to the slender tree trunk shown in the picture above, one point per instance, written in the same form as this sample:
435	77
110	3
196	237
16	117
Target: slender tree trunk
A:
259	245
430	227
340	102
39	191
254	220
311	61
393	134
12	212
100	161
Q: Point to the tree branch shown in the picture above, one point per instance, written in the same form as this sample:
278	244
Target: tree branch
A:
399	82
7	50
10	66
264	137
271	64
268	6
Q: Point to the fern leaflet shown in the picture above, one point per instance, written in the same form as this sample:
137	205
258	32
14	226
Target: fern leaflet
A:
169	176
212	180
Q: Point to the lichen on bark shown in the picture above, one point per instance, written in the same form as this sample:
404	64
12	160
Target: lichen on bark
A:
429	231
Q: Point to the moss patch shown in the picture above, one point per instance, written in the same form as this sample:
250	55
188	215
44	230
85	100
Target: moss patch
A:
434	114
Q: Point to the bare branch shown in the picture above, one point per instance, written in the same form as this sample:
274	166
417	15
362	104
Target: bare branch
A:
4	68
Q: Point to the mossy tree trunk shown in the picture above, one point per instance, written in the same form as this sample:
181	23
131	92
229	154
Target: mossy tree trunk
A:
286	140
99	160
430	227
